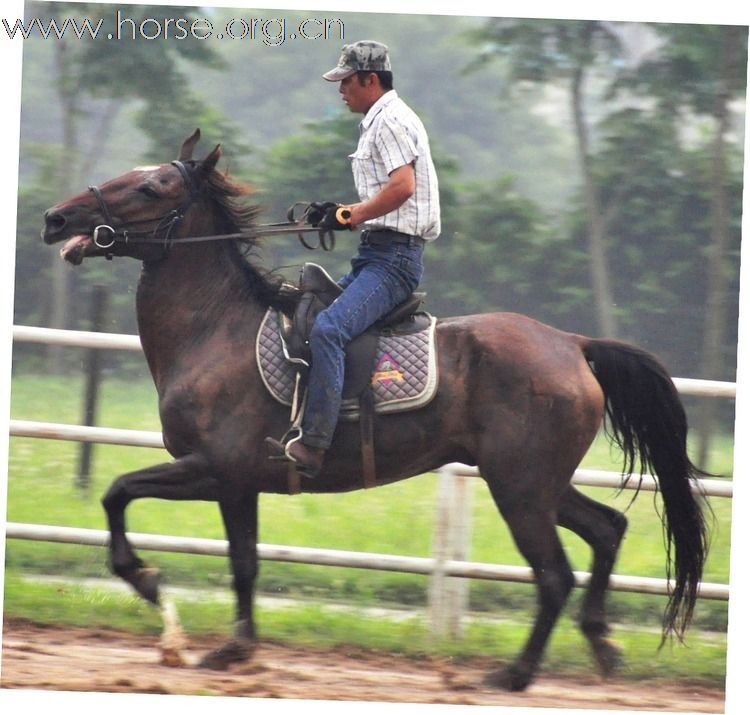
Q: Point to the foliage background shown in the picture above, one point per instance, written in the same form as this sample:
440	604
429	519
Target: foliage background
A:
590	171
496	96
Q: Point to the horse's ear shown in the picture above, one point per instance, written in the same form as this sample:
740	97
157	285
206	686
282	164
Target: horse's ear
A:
186	150
209	163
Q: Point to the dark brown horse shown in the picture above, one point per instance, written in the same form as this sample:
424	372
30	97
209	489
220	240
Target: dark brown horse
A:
517	398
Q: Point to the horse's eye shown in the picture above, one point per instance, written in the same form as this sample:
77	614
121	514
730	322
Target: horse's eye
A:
148	191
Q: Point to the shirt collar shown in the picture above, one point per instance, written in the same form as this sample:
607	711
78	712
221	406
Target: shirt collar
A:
373	111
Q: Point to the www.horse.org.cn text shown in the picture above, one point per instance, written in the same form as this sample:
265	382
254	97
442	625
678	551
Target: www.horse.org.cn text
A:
272	32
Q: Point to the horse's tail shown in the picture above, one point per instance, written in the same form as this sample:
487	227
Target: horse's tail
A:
647	420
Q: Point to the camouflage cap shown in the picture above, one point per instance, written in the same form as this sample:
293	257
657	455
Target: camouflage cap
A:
362	55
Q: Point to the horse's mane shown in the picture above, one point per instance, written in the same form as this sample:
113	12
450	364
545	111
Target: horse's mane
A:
236	216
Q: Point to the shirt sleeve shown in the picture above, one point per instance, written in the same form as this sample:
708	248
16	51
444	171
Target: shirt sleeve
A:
395	145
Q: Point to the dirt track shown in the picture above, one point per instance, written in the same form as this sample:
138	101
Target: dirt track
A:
54	658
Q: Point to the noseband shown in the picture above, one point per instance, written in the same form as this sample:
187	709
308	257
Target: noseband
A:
161	232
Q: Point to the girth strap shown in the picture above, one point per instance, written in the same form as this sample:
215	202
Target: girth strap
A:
367	437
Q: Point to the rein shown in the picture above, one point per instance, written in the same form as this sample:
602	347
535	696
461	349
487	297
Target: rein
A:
167	224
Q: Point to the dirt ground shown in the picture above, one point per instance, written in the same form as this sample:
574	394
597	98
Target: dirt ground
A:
75	659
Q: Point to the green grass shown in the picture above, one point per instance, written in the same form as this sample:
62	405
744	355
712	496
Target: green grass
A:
701	660
396	519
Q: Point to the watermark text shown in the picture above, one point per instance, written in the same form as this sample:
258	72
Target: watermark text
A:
272	32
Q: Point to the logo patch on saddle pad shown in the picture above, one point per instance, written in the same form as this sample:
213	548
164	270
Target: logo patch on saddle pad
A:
404	374
386	370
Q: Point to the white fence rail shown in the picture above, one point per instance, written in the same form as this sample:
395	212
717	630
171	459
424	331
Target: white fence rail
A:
76	338
448	593
334	557
118	341
140	438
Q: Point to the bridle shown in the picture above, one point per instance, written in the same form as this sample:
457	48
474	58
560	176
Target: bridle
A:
164	225
162	232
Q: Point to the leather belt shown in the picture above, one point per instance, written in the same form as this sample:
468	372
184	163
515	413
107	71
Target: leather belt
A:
386	237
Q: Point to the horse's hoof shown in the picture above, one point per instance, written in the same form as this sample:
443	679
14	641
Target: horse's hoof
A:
146	583
234	651
608	656
508	679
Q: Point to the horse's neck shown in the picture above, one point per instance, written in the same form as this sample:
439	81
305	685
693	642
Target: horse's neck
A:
187	297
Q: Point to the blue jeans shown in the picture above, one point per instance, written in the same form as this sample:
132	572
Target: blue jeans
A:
380	279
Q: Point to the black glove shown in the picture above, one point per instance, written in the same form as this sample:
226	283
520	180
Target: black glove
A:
337	218
316	211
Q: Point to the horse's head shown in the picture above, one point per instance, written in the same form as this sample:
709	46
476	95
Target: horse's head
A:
135	214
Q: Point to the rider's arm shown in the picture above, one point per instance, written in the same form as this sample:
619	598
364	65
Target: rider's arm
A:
400	186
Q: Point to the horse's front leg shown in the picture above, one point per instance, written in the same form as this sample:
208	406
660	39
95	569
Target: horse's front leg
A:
186	478
240	515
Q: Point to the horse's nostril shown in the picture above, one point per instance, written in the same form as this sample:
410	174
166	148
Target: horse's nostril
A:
55	221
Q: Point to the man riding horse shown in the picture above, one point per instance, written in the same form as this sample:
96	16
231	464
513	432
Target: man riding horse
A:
520	400
399	211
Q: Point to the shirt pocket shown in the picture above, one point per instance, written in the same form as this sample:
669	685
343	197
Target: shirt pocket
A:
364	152
362	171
361	156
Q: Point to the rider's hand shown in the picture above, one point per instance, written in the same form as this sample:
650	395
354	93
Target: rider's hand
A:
337	218
317	210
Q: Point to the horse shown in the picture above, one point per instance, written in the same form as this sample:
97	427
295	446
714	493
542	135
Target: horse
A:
519	399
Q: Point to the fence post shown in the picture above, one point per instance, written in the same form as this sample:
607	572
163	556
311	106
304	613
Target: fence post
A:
448	597
93	378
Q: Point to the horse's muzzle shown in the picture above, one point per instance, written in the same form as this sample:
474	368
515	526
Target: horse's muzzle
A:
55	224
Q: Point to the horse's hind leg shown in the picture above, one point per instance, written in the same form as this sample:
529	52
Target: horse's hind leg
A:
602	528
183	479
533	527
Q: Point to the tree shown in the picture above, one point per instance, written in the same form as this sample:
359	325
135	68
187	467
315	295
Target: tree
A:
698	71
312	165
568	51
491	254
90	69
659	231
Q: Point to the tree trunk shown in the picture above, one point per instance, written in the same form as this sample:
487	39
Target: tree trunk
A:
99	139
60	283
600	283
717	305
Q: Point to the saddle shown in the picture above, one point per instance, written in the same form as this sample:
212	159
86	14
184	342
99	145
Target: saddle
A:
319	291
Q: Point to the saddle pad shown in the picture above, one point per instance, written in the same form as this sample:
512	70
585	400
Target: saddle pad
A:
405	375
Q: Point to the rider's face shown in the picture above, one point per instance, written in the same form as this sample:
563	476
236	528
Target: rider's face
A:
359	97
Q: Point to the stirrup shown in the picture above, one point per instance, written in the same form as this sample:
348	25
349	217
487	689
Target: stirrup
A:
277	448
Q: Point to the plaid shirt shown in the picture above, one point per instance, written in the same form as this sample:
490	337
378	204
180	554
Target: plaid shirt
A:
392	135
